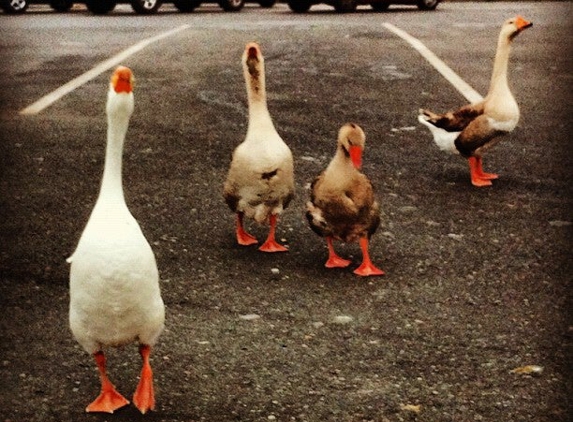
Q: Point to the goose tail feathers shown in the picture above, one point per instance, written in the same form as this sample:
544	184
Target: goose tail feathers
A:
442	138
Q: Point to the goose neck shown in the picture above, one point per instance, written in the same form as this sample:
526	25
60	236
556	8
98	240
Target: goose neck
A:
342	159
111	187
499	75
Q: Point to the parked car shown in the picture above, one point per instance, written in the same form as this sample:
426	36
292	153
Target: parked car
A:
101	7
147	7
345	6
20	6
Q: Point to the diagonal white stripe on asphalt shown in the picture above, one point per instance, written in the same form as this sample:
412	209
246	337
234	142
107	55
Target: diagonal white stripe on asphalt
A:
452	77
75	83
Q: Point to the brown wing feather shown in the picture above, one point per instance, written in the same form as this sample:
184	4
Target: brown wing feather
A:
455	121
348	215
476	135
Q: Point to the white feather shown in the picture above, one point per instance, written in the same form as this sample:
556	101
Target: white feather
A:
443	139
114	282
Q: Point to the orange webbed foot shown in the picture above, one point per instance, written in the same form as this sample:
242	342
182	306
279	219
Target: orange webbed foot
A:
479	182
336	262
108	401
245	239
368	269
272	245
478	176
488	176
144	397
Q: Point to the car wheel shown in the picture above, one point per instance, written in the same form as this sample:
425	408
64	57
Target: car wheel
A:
14	6
299	6
231	5
267	4
145	7
345	6
187	5
427	4
100	7
380	6
61	5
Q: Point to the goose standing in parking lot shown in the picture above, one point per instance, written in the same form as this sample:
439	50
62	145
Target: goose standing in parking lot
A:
260	181
342	205
114	281
474	128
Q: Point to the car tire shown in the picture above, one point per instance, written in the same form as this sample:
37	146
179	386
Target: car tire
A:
145	7
61	5
427	4
380	6
299	6
14	6
186	6
231	5
267	4
345	6
100	7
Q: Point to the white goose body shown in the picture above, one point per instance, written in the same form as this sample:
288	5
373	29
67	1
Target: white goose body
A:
115	297
262	169
114	288
260	180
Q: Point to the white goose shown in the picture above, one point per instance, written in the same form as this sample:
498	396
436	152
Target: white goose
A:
114	282
342	205
474	128
260	181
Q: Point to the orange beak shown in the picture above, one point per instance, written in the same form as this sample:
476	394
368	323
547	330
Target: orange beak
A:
522	23
356	156
122	80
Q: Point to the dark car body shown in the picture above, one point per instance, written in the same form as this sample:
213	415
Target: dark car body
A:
302	6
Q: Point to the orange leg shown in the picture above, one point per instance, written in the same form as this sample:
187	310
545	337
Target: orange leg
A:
478	176
271	245
334	261
243	238
144	398
109	399
367	267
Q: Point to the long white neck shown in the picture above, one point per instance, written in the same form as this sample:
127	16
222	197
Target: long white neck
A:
499	84
259	116
111	186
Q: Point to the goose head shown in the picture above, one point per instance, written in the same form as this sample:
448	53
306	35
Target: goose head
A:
254	68
513	27
120	94
351	140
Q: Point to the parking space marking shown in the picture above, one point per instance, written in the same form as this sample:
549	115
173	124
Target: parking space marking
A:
75	83
452	77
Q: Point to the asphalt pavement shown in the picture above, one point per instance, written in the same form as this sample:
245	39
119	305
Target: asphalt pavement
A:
477	281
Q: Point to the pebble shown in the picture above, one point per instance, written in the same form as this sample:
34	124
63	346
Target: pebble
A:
342	319
249	317
458	237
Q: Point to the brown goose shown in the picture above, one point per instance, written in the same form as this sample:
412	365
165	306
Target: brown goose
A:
260	181
475	128
342	204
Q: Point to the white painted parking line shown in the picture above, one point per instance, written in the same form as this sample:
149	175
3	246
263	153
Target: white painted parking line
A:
462	86
75	83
